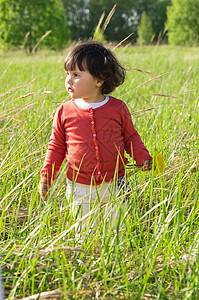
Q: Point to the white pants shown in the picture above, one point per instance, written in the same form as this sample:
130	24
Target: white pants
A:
96	204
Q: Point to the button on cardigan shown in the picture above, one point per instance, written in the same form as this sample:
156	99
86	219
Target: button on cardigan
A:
93	142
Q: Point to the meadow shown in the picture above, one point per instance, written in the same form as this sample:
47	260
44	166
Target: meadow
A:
154	252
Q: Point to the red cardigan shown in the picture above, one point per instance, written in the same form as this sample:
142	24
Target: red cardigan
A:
93	142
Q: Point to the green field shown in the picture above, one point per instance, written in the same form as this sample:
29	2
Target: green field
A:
156	255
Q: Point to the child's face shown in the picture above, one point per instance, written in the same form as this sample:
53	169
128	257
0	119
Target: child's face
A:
81	84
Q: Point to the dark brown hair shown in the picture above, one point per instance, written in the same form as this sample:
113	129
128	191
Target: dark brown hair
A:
99	62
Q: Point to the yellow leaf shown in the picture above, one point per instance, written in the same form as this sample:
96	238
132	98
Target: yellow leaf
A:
159	163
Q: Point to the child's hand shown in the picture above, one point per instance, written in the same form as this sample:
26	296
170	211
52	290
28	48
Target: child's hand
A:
43	189
147	165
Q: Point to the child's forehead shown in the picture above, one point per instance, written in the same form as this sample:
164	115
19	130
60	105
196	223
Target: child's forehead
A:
76	69
75	64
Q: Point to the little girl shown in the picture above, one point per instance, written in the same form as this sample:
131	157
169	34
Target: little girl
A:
92	130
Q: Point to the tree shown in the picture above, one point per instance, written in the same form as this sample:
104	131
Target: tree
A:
156	10
145	30
159	17
183	22
83	17
33	18
122	21
78	15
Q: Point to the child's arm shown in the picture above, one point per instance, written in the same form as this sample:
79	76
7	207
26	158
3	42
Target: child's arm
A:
134	146
55	154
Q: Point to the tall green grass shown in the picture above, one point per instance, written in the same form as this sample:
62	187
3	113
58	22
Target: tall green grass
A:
154	252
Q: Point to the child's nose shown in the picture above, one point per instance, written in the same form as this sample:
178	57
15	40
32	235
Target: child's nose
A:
68	79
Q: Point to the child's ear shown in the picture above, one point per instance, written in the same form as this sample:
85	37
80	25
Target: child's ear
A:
99	83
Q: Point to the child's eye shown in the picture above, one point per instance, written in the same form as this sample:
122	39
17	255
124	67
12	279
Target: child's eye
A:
76	75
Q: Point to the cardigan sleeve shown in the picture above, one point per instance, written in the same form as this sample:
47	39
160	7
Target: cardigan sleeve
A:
133	144
56	149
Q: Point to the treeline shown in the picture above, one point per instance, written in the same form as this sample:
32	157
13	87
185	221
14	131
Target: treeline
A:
83	17
54	22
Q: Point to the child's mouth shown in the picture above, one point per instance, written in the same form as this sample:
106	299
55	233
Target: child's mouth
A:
70	90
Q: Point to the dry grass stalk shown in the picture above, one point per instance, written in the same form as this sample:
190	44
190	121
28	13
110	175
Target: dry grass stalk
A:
26	38
172	96
186	92
147	109
9	116
53	295
99	23
139	70
41	39
18	87
108	18
6	70
126	38
154	78
161	36
27	95
44	295
152	38
54	249
141	112
163	95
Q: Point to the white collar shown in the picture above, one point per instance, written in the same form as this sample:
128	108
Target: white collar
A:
83	104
